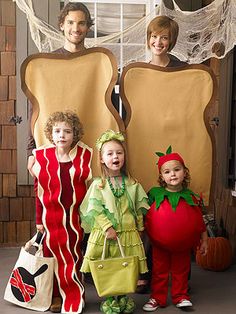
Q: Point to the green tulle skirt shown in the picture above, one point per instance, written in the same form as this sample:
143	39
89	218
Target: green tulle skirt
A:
130	241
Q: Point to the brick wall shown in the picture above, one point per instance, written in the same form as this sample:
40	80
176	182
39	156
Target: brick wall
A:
16	202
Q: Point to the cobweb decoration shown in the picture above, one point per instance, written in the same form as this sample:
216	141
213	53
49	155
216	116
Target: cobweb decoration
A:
205	33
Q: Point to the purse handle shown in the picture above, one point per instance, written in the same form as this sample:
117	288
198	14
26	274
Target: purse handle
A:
104	248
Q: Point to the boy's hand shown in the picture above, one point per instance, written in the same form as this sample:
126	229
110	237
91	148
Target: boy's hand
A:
111	233
31	161
40	228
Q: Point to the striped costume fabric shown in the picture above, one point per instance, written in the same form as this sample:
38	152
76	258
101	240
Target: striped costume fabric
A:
64	233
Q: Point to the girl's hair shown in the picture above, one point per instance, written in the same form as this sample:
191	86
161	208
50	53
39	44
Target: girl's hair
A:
75	6
185	182
103	167
160	23
70	118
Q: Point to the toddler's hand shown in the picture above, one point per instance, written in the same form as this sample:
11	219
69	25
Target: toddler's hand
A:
111	233
203	247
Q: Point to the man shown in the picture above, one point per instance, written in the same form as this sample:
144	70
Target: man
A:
75	22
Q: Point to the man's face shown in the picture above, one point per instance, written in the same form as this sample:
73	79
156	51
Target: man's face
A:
75	27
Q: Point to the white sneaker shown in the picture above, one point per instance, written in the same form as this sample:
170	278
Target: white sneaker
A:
184	303
151	306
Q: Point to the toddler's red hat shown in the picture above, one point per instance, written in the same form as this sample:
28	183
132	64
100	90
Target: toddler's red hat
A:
168	157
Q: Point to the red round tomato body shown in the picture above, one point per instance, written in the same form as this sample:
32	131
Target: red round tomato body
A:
175	230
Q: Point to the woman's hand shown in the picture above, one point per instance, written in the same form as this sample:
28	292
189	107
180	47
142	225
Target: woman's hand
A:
111	233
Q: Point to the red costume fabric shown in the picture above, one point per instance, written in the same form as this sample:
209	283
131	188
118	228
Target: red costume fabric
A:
174	224
60	216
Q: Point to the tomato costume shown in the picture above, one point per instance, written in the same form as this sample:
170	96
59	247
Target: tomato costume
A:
174	224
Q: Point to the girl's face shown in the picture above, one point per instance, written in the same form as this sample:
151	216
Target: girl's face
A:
113	156
75	27
173	174
159	43
62	136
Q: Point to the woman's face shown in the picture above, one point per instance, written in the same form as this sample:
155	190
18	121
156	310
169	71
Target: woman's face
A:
159	43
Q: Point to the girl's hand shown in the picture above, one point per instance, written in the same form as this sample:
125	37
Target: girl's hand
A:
40	228
111	233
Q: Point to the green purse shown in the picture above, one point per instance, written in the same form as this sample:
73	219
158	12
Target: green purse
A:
115	276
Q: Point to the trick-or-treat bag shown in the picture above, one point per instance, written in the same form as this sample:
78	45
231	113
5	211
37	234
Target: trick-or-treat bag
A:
115	276
31	282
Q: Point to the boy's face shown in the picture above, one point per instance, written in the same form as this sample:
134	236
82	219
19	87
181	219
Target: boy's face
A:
159	42
75	27
173	173
62	136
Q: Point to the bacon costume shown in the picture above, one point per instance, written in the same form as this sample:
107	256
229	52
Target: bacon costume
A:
60	216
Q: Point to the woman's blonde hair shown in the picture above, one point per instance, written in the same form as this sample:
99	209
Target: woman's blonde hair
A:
70	118
160	23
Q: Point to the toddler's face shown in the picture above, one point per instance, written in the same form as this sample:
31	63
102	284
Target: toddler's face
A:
173	174
62	135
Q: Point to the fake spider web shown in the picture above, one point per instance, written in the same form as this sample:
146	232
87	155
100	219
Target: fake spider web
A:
203	34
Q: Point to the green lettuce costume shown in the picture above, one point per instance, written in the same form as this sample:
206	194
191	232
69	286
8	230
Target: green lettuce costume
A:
100	210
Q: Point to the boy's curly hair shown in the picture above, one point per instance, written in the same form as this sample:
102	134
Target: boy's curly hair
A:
185	182
70	118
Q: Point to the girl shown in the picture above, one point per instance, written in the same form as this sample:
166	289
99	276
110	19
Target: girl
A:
114	207
62	170
175	225
162	34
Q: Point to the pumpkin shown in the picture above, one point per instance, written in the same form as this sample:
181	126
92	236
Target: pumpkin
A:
219	255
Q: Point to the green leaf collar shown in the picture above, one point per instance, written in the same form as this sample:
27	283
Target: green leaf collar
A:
158	195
